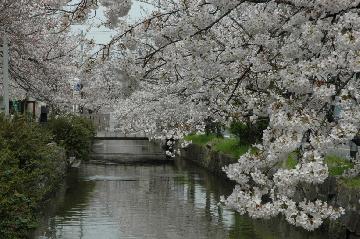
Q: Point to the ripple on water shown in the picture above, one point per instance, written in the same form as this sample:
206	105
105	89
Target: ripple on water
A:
109	178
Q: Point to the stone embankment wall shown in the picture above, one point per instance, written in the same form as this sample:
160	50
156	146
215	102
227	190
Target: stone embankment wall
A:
332	190
207	158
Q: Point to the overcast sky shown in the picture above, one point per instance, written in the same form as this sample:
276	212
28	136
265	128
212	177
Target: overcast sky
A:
102	35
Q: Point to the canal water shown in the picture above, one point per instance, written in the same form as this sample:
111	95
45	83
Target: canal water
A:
151	201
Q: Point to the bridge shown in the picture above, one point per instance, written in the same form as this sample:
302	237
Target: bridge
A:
120	148
112	146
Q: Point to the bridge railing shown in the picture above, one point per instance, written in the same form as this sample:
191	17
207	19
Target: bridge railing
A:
118	135
101	121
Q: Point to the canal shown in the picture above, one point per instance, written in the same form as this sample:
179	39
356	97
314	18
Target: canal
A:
165	200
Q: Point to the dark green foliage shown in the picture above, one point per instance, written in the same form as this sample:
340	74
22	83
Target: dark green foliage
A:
214	128
249	133
74	133
30	168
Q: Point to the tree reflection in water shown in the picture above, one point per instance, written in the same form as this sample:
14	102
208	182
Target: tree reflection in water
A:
159	201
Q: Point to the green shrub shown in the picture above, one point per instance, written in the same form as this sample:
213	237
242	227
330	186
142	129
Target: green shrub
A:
213	128
30	168
74	133
248	133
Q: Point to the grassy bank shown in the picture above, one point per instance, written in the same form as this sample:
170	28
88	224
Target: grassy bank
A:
230	146
351	182
31	168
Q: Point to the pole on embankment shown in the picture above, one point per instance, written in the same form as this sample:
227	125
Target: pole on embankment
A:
6	73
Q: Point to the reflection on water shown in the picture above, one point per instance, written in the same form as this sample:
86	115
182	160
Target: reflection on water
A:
151	201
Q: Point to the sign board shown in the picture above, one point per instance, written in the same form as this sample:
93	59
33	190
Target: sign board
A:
77	86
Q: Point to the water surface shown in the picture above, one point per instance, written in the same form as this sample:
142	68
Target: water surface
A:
158	201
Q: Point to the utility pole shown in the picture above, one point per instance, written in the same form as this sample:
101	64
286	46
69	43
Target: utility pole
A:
82	47
78	83
6	73
80	107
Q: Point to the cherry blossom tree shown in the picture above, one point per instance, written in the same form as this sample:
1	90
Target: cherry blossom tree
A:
289	60
44	51
41	52
106	79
